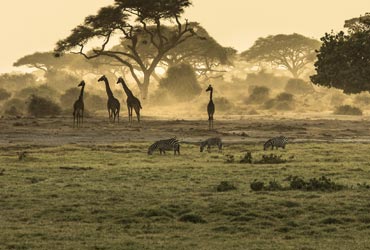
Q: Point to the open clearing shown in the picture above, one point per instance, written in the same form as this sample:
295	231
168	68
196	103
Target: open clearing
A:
96	188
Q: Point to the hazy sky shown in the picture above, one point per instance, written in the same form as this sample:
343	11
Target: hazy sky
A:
39	24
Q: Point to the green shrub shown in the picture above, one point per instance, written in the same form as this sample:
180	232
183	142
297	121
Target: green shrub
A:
347	110
257	185
193	218
223	104
4	94
258	94
225	186
271	159
247	158
40	107
298	87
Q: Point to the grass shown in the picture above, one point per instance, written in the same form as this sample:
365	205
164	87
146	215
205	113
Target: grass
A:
117	197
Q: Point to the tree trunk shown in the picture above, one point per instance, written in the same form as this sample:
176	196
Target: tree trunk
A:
145	86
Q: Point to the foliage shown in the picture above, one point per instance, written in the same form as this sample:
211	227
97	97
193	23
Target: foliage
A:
181	83
60	80
140	23
292	51
223	104
343	60
193	218
41	107
362	99
347	110
263	78
259	94
12	82
298	87
283	101
257	185
94	102
247	158
14	107
271	159
69	97
225	186
314	184
4	94
41	91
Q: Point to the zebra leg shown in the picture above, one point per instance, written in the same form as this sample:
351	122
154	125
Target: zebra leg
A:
209	148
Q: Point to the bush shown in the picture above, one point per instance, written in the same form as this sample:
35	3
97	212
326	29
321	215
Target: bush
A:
222	104
347	110
68	98
257	185
283	101
41	91
321	184
4	95
271	159
95	102
247	158
181	82
298	87
258	94
14	107
225	186
263	78
193	218
40	107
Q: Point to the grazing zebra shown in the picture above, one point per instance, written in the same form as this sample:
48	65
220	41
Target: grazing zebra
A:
163	145
276	142
211	142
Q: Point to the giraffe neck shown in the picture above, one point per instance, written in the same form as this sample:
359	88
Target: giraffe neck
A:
210	94
127	90
82	92
107	88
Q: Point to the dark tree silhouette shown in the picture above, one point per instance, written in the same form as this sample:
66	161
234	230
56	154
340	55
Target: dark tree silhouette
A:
343	60
293	52
131	19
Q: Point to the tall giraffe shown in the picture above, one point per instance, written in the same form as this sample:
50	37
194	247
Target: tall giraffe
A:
132	101
78	106
113	104
210	107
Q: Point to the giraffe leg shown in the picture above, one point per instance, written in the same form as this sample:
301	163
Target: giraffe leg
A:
137	111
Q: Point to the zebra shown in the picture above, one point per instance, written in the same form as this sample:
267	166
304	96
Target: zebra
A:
276	142
163	145
211	142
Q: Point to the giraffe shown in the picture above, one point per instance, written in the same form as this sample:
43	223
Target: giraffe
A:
113	104
210	108
132	101
78	106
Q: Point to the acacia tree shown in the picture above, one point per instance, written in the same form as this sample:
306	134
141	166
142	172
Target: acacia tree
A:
343	61
130	19
292	52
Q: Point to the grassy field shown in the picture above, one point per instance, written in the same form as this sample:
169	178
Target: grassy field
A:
99	196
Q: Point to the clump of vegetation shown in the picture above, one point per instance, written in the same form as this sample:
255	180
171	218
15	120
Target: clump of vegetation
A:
95	102
230	159
14	107
247	158
42	91
223	104
271	159
225	186
298	183
298	86
314	184
283	101
264	78
347	110
4	95
40	107
362	99
257	185
258	94
69	97
181	82
193	218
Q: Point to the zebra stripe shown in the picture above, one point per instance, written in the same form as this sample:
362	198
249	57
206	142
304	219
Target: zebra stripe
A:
211	142
163	145
276	142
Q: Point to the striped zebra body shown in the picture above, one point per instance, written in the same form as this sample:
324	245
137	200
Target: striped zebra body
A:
277	142
163	145
211	142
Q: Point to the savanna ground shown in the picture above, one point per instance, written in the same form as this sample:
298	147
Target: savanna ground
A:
96	188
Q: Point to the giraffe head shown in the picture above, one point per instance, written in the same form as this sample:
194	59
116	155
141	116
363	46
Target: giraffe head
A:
102	78
209	88
120	80
82	83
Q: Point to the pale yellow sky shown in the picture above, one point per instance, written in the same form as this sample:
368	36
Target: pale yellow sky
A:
30	26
